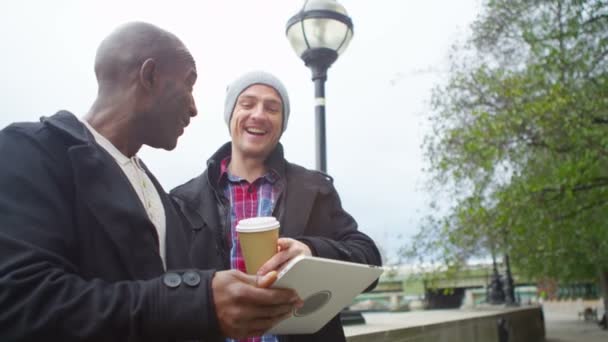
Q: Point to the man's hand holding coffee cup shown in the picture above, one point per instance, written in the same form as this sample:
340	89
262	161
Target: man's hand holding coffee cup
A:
258	238
287	249
263	250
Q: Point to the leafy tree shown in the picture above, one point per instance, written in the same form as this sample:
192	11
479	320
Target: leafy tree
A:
520	141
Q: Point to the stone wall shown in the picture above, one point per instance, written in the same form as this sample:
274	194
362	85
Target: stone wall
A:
510	325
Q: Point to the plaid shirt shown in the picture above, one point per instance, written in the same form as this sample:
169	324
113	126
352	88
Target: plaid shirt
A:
247	200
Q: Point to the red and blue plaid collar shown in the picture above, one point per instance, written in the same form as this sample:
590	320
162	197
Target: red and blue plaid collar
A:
271	176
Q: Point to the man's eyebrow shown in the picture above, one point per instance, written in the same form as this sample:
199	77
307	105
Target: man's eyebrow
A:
253	97
273	101
188	58
193	76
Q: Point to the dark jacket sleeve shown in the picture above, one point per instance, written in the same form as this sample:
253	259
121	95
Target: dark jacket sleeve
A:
333	232
42	295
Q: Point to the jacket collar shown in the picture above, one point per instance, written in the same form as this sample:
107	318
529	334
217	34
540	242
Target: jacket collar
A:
275	161
68	125
196	194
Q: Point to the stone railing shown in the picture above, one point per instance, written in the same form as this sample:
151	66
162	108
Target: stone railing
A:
525	324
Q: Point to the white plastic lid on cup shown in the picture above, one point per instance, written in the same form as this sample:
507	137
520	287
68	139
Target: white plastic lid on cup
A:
257	224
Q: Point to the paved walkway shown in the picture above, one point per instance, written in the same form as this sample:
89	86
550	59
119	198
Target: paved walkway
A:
565	327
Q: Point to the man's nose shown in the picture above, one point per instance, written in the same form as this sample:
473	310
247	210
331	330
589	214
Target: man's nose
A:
193	110
258	110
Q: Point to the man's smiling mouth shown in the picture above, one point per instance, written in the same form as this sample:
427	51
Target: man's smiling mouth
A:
255	131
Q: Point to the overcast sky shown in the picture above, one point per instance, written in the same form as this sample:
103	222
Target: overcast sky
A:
377	92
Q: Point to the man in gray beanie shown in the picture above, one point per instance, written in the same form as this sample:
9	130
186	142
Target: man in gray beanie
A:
250	177
255	77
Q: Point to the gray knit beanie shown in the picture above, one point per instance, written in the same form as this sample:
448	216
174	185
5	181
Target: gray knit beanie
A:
255	77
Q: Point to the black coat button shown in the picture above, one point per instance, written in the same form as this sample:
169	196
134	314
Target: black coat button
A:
172	280
191	278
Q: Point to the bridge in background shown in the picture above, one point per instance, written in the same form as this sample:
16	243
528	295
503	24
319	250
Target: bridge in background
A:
403	288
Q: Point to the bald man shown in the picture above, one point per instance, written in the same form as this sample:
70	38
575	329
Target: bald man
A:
90	245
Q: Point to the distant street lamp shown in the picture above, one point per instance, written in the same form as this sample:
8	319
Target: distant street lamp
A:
509	285
496	294
319	33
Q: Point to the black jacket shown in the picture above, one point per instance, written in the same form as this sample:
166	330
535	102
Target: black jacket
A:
79	257
308	209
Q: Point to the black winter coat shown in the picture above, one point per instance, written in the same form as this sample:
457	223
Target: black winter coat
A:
79	257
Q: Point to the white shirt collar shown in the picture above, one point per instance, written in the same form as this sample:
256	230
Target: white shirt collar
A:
120	158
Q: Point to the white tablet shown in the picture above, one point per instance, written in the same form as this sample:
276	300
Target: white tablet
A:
327	286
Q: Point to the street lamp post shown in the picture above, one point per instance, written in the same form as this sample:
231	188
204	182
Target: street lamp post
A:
319	33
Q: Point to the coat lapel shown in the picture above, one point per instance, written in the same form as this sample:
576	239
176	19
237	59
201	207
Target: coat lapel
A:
177	235
293	222
202	206
107	192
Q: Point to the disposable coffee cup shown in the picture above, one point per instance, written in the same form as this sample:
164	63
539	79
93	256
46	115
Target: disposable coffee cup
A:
258	237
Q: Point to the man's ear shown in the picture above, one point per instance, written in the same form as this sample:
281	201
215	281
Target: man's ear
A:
147	73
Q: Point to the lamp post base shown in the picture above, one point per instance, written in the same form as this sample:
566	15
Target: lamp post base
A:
349	317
